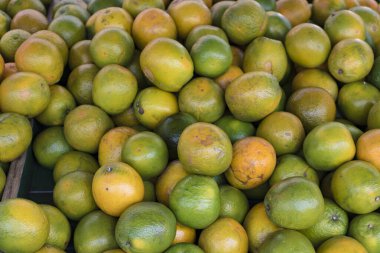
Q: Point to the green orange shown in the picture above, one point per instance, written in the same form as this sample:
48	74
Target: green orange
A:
355	187
112	46
203	99
328	146
195	201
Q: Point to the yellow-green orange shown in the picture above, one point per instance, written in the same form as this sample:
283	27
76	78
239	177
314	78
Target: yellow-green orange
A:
60	230
233	203
56	40
243	21
365	229
70	28
212	56
151	24
79	54
152	105
60	104
203	30
42	57
322	9
146	227
168	179
292	166
136	7
345	24
333	222
189	14
114	89
283	130
167	64
10	42
16	136
286	241
253	96
113	17
294	203
147	153
224	236
112	143
356	187
72	194
278	26
268	55
341	244
313	106
23	225
203	99
80	83
74	10
195	201
84	127
258	226
234	128
25	93
328	146
315	78
49	145
95	233
308	45
112	46
350	60
356	99
73	161
373	120
30	21
201	141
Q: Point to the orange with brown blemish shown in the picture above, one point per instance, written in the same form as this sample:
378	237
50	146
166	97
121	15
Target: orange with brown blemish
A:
253	162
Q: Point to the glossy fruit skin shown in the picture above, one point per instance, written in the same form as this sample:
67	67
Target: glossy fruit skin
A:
368	148
203	99
302	200
115	187
286	240
183	248
201	141
307	45
233	203
350	60
149	220
147	153
345	243
258	226
246	100
333	222
188	200
223	236
337	148
365	229
167	64
355	187
24	226
18	136
253	162
95	233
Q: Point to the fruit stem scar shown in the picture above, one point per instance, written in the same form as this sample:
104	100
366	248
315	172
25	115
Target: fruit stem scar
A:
335	217
109	169
377	198
340	71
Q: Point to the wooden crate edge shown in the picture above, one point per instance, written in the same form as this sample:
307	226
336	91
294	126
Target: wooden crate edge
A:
15	172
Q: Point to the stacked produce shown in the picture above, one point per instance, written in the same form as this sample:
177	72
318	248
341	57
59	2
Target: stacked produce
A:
193	125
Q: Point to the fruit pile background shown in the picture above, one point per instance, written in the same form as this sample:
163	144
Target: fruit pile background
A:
193	125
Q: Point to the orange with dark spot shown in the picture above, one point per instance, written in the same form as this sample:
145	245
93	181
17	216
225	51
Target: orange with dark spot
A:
253	162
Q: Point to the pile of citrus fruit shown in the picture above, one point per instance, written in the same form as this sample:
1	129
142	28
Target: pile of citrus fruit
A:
193	125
